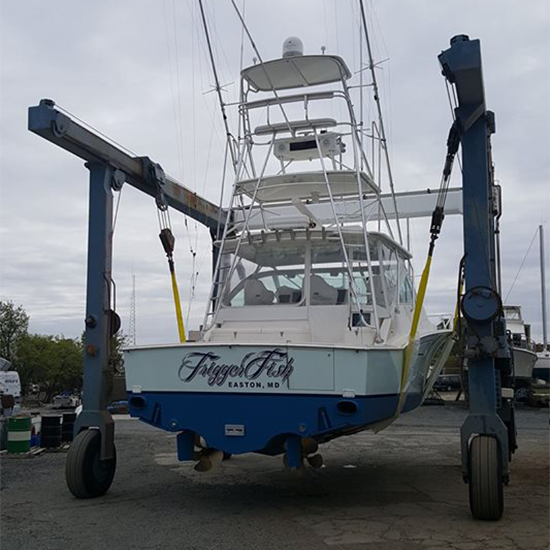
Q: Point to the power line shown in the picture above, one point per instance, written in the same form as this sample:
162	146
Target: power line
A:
521	265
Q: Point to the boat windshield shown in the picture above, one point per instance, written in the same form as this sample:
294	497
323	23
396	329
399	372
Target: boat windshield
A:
307	271
256	285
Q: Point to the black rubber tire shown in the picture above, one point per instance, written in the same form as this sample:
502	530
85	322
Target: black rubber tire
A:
86	475
485	478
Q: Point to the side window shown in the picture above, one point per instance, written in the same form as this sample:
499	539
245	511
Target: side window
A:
406	291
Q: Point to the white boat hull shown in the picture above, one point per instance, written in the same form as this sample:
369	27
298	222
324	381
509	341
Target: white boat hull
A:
524	361
541	369
267	392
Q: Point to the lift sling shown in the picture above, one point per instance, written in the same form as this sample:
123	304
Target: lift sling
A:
438	215
167	239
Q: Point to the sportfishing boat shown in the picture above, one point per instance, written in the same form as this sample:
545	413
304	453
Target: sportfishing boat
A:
522	345
307	334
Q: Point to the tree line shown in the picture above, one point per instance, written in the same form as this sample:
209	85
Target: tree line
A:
51	362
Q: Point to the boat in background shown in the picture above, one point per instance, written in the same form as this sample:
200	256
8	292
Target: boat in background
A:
523	347
541	370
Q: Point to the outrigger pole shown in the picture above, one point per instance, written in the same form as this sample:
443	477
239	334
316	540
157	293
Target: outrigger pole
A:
218	88
383	139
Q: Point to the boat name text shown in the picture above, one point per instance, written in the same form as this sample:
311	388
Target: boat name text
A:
273	363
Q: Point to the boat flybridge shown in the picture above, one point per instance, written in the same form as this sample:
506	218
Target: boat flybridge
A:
307	332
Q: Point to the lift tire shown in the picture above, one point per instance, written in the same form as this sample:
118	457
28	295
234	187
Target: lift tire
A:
485	478
86	475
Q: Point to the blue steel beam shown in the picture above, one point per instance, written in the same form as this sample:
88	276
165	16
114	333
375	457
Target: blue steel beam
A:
55	126
98	316
487	349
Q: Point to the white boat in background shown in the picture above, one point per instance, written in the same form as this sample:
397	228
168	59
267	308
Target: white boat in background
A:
523	347
307	328
541	370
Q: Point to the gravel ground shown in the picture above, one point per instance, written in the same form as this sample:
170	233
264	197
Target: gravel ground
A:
400	489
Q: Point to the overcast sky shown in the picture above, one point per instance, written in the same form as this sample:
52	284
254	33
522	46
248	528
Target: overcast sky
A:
137	71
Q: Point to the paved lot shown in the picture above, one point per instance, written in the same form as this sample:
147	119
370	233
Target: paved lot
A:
401	489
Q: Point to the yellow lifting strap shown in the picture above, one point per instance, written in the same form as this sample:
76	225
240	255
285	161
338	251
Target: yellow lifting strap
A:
412	334
414	327
177	302
453	141
168	240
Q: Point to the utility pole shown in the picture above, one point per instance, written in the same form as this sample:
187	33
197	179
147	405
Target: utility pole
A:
543	288
132	325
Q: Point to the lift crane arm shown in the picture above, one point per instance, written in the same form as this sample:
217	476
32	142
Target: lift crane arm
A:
110	166
69	134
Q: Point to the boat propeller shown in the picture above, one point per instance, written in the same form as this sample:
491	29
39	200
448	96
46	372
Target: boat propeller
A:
309	453
206	457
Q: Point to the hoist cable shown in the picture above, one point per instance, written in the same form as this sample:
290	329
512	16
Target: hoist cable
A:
98	132
167	239
453	141
452	106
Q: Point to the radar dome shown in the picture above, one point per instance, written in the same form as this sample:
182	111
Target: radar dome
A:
292	47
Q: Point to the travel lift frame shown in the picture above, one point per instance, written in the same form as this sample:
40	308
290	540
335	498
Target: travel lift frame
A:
488	434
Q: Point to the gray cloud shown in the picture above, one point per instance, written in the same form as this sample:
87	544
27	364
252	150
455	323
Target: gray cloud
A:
116	65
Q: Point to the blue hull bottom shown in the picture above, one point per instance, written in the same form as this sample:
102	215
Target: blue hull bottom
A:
267	420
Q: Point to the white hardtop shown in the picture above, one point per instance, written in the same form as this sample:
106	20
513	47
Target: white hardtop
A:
296	72
287	247
294	126
306	185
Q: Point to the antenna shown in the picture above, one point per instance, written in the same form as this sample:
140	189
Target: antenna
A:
372	67
218	87
132	324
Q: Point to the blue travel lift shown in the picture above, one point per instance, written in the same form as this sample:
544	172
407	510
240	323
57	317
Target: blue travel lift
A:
488	435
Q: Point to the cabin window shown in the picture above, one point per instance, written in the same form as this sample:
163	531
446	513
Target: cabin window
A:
512	314
328	285
255	285
406	291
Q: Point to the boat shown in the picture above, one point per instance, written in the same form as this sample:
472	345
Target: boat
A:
307	333
523	348
541	370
